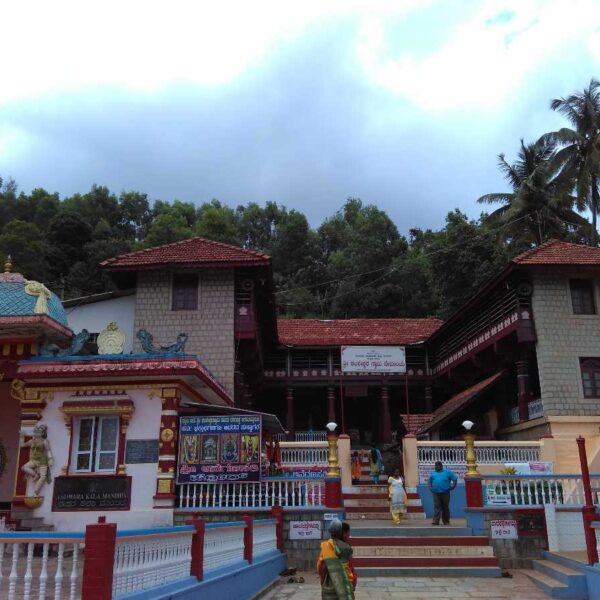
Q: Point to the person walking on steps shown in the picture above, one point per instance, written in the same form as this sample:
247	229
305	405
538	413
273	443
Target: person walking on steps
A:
397	497
356	468
376	464
441	483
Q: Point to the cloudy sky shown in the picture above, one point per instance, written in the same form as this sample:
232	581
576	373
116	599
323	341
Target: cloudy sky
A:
405	105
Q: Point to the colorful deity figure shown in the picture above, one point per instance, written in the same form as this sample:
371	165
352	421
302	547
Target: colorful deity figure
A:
37	469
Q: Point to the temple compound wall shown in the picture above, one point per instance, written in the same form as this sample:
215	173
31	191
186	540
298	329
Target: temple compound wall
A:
210	328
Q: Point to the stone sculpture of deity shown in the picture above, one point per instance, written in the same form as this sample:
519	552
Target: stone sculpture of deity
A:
37	469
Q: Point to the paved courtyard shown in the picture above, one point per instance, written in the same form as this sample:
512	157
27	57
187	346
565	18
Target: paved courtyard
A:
417	588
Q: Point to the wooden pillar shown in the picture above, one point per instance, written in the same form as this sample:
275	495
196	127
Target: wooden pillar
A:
428	399
289	416
331	404
386	427
523	389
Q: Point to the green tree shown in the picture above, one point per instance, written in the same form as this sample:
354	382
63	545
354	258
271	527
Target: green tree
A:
167	227
135	215
24	242
579	157
215	221
539	206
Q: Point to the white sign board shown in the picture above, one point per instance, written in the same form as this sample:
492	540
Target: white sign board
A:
305	530
373	359
498	499
504	529
541	468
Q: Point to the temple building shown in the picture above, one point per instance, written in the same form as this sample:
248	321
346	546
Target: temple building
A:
194	323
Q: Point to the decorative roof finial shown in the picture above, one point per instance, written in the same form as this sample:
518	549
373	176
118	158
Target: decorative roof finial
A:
8	265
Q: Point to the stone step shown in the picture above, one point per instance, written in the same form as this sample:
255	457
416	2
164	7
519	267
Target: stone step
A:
550	586
466	540
412	498
33	523
372	507
426	561
420	551
557	571
381	502
409	532
361	515
429	571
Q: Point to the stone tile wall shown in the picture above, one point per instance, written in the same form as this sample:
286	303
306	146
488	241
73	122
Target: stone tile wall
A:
210	328
563	338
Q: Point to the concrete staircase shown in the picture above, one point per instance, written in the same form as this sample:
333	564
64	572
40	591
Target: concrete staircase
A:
371	502
559	577
421	551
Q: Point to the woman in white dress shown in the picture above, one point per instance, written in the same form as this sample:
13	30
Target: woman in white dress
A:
397	497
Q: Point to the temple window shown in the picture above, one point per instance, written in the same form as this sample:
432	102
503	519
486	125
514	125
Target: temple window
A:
590	377
96	444
582	296
185	292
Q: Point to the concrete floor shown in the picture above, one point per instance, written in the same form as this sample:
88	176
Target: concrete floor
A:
416	588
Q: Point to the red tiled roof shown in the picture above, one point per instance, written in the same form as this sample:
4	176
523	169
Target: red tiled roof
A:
555	252
315	332
461	400
195	252
413	423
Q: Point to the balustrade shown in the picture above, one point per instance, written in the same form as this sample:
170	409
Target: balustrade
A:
304	456
264	536
287	493
145	559
453	453
528	490
223	544
55	573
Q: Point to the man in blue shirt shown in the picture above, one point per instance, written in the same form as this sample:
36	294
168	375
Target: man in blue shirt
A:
441	483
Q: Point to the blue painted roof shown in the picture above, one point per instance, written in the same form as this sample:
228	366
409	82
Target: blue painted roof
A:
16	302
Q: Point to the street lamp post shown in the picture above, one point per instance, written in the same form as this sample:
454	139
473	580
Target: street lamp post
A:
333	483
473	490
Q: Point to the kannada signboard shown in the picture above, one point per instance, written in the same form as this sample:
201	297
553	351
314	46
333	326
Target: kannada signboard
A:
373	359
503	529
305	530
219	448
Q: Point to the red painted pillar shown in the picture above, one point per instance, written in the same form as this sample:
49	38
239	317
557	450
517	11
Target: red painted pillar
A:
289	416
331	404
523	389
248	537
589	511
98	560
277	513
197	564
474	492
386	426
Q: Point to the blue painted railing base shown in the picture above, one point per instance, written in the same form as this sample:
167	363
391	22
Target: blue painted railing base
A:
236	582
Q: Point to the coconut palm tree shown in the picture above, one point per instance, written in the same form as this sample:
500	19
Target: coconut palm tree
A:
579	156
539	204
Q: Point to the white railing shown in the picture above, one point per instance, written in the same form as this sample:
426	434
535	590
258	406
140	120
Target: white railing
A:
148	558
264	536
261	494
453	453
304	456
223	544
24	576
528	490
303	436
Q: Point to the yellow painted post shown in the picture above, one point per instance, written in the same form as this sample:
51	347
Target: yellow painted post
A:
344	459
411	461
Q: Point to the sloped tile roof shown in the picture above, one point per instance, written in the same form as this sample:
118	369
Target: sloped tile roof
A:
195	252
461	400
555	252
386	332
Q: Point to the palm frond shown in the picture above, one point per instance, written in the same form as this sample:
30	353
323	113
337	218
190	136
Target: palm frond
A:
496	197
